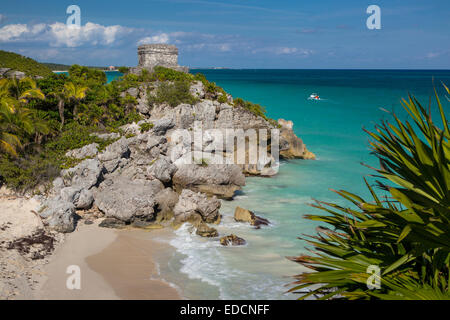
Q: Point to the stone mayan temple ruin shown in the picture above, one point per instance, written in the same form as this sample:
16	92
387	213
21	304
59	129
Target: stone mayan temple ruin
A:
152	55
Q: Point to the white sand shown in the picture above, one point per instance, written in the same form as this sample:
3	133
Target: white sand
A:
85	241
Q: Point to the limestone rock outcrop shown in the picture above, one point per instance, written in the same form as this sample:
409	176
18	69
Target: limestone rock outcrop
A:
151	175
291	146
85	152
128	200
191	204
219	180
162	169
244	215
203	230
166	200
232	240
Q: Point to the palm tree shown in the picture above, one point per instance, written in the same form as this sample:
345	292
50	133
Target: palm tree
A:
405	233
41	126
69	92
24	89
8	142
7	102
16	121
60	96
75	93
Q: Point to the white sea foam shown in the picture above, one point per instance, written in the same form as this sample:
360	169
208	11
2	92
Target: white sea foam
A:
208	261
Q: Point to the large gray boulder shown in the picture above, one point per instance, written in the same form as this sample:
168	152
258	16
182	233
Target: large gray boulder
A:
214	179
15	74
166	200
85	152
162	169
71	192
84	200
205	111
3	71
106	136
128	200
115	150
154	141
114	153
131	128
183	115
191	204
225	117
59	215
197	89
83	176
161	126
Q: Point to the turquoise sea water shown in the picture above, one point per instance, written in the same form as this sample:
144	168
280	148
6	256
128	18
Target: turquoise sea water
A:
332	129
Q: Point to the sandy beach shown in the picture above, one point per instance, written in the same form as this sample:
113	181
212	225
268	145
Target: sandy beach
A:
114	264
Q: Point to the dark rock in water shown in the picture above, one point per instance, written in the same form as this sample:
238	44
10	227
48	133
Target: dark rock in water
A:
204	230
112	223
244	215
232	240
137	223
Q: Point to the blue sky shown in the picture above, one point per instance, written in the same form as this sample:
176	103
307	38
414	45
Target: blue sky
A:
234	33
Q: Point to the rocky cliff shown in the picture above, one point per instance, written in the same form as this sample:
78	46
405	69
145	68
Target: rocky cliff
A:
151	176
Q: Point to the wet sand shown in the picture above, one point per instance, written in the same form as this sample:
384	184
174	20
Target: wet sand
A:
114	264
128	265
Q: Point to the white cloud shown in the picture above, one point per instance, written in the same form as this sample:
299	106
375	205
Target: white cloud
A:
11	32
159	38
60	35
225	47
432	55
284	51
90	33
100	39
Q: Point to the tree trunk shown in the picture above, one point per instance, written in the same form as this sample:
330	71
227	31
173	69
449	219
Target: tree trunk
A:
61	111
75	111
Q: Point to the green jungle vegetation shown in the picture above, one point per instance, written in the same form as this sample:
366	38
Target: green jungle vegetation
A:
18	62
40	120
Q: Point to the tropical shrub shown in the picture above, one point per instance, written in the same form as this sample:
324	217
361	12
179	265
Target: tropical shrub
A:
124	70
405	231
86	75
166	74
252	107
173	94
146	126
31	169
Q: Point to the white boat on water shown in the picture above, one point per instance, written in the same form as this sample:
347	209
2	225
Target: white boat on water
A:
314	96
